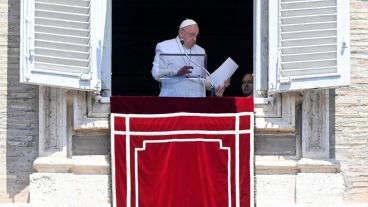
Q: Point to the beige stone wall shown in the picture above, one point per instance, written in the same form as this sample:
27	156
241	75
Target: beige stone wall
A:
351	134
18	112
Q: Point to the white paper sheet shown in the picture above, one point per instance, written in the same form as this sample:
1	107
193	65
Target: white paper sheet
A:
225	71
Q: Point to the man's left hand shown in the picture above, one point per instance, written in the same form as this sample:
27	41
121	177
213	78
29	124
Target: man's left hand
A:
219	91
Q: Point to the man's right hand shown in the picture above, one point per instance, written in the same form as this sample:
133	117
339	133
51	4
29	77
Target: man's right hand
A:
184	70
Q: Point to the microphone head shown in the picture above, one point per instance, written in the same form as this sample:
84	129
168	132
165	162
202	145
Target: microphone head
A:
182	41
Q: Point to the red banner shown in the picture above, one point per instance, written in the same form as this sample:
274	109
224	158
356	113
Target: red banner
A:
182	159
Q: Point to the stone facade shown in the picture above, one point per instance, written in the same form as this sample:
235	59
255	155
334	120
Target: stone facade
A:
64	179
351	129
18	112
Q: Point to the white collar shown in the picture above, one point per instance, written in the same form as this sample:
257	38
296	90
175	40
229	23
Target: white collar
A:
181	47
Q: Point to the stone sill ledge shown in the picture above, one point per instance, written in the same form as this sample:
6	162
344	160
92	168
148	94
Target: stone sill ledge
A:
278	166
92	124
96	164
100	164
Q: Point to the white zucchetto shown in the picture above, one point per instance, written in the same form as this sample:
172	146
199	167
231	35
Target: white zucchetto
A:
187	22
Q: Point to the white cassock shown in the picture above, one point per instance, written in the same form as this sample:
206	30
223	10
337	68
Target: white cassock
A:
165	68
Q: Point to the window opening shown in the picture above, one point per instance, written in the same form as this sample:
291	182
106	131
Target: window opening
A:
226	30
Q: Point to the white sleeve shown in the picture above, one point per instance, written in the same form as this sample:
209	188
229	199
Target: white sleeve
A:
158	72
207	84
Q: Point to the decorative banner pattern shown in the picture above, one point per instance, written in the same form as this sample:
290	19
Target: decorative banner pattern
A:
182	159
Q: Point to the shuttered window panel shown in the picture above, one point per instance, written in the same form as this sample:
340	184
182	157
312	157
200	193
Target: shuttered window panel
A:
60	45
308	34
62	36
308	45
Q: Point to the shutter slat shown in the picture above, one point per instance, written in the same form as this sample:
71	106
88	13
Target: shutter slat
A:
60	67
61	38
61	45
308	19
309	41
293	0
62	15
308	11
309	64
62	8
311	33
308	71
83	3
62	30
308	4
62	53
62	23
308	26
60	60
307	49
309	56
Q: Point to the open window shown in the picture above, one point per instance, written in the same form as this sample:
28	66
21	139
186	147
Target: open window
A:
65	43
291	45
225	31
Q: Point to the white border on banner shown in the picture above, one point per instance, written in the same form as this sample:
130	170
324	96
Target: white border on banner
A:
145	142
112	140
251	160
237	182
237	133
127	157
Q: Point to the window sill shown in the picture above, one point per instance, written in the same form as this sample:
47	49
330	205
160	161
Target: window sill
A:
96	164
273	166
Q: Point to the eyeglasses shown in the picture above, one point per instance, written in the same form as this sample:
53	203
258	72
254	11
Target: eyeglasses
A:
192	34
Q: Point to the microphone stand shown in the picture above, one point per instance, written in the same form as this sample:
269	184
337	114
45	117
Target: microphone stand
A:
212	88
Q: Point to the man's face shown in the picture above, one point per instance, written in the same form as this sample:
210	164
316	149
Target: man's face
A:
189	34
247	84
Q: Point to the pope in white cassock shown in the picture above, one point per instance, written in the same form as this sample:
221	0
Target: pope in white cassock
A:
179	64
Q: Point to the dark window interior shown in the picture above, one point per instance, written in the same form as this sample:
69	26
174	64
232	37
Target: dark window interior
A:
226	30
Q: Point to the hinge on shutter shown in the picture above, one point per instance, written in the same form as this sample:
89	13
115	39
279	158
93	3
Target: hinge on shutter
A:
30	55
285	80
86	77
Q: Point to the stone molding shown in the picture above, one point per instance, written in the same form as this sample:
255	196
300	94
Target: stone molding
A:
93	164
279	166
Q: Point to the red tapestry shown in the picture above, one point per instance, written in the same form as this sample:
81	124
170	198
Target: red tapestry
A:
182	159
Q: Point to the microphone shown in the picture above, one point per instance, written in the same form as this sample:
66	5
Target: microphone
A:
212	88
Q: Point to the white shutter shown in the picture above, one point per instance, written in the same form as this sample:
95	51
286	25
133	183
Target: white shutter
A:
309	44
60	45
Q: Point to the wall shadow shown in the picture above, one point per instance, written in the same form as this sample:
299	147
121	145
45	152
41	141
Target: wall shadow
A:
332	95
21	116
